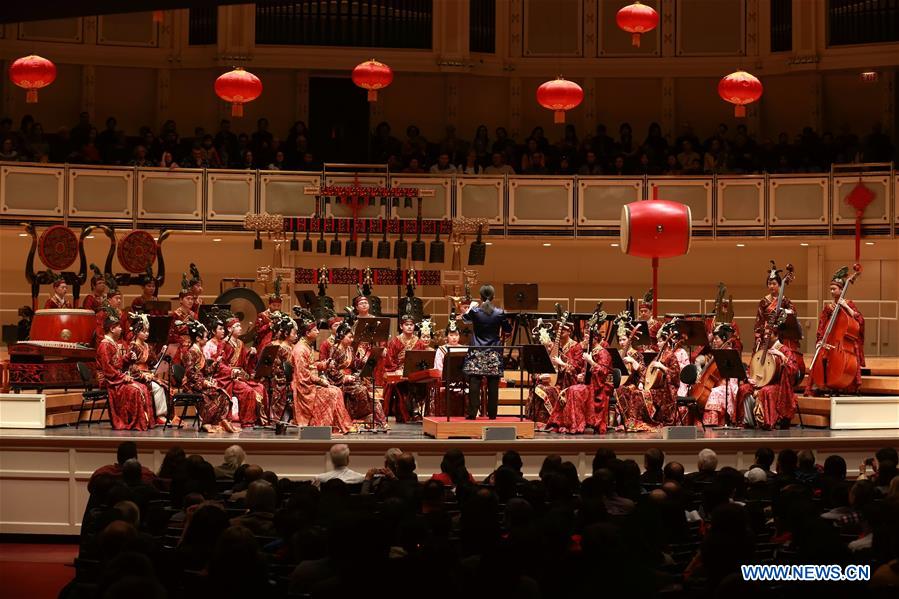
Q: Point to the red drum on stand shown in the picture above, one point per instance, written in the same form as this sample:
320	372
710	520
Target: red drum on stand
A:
64	324
655	229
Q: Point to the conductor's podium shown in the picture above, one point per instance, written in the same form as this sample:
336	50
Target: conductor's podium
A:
460	428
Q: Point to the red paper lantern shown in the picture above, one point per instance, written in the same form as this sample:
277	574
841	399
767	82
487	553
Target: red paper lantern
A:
158	16
32	73
238	87
559	95
637	18
740	88
372	75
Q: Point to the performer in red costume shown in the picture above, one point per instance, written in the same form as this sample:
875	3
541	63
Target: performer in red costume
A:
837	283
97	296
148	292
398	396
232	375
130	404
215	408
265	320
58	299
776	400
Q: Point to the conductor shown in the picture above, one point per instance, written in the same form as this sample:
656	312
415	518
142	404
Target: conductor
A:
484	359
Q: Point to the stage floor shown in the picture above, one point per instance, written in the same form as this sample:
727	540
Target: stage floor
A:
413	432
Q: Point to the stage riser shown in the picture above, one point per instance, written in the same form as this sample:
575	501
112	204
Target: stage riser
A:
43	482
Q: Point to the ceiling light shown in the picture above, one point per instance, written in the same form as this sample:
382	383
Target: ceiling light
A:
869	243
803	244
23	234
741	245
489	243
216	238
89	237
546	245
614	245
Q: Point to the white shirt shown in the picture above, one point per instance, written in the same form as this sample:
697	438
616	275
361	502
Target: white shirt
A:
350	477
443	350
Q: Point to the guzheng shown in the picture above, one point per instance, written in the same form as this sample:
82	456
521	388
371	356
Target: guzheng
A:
60	338
429	375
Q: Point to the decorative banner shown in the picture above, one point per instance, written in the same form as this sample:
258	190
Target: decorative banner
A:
353	276
345	225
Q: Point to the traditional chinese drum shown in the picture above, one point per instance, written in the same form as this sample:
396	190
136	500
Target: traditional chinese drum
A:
655	229
63	324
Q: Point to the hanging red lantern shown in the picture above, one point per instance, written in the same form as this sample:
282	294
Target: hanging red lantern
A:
559	95
372	75
238	87
158	16
740	88
636	19
32	73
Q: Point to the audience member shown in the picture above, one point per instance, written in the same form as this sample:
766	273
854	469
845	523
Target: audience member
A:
340	460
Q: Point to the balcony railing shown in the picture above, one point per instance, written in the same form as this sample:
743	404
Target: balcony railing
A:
760	206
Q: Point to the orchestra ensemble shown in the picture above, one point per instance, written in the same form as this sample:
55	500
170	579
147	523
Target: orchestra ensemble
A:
629	371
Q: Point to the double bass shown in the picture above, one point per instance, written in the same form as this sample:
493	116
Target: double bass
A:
763	367
836	362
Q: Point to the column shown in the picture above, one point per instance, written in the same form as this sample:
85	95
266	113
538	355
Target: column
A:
88	90
668	110
163	94
301	81
514	107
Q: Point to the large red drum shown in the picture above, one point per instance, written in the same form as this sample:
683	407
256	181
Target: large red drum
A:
64	324
655	229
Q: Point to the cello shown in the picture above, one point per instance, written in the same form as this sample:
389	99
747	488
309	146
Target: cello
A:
763	367
836	361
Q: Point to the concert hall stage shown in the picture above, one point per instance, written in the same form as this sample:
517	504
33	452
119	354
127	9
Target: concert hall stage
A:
43	473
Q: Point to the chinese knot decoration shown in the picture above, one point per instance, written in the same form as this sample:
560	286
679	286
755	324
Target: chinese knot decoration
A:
559	95
740	88
238	87
372	76
637	19
32	73
859	198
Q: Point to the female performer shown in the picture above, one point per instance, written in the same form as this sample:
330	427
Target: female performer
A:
450	398
344	367
130	405
837	283
284	329
97	296
215	409
776	400
138	359
399	395
722	398
766	308
318	403
485	360
233	376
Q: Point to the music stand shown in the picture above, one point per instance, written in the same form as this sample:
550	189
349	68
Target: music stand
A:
373	330
519	299
368	372
617	360
418	360
535	360
692	331
730	366
453	373
159	338
305	299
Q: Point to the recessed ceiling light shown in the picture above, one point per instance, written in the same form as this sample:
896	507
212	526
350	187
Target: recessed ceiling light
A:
869	243
546	245
216	238
89	237
489	243
23	234
614	245
741	245
803	244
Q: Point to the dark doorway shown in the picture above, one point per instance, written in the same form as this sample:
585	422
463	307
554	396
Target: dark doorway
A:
338	120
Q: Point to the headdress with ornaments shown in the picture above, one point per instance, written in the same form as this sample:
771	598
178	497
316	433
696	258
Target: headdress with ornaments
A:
195	329
334	320
305	319
543	331
646	302
839	278
112	285
424	327
229	324
110	322
452	326
724	331
346	326
668	329
185	287
283	324
195	278
96	275
774	273
276	292
407	316
148	277
139	322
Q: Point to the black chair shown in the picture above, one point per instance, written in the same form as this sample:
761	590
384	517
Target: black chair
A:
183	399
692	408
90	395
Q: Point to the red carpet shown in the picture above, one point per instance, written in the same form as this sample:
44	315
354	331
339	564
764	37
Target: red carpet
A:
35	571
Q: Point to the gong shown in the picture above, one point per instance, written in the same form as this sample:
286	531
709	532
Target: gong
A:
58	247
245	305
137	251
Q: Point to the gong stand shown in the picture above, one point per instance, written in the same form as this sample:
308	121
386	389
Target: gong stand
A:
136	253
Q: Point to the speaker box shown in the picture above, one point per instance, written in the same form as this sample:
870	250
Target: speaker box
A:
315	433
679	432
499	433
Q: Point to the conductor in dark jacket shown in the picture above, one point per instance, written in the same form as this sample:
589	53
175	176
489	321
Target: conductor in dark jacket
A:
484	359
